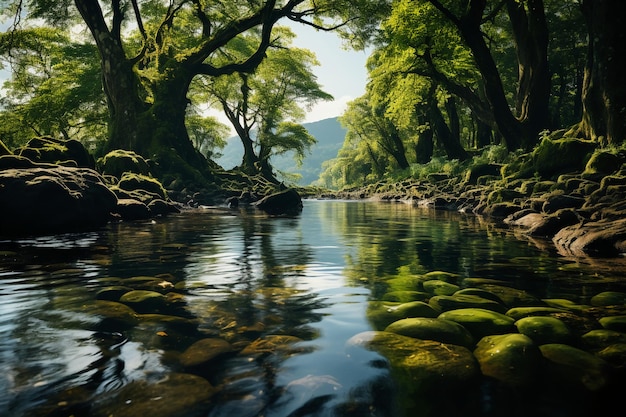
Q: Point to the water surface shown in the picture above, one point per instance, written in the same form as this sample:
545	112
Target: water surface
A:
286	293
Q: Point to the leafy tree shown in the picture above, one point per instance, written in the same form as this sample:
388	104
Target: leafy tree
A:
55	88
150	52
604	92
265	106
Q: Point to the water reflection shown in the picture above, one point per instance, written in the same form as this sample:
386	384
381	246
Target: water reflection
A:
110	322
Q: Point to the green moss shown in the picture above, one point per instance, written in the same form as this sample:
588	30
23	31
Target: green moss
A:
132	182
553	157
119	161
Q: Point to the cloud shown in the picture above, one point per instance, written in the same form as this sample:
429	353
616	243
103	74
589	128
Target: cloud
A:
328	109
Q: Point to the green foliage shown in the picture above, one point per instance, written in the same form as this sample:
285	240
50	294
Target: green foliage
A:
55	88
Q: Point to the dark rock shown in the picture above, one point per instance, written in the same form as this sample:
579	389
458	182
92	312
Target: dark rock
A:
284	202
120	161
602	238
53	200
131	209
51	150
560	201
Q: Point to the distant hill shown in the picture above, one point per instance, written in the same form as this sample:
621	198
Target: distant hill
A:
329	134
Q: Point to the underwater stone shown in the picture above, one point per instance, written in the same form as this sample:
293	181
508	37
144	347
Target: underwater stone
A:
444	331
205	350
454	302
480	322
544	330
382	314
617	323
176	395
569	364
511	358
608	298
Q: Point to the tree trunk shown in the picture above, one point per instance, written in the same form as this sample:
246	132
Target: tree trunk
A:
451	144
604	91
119	81
424	145
530	32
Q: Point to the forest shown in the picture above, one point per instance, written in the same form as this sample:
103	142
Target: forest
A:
448	80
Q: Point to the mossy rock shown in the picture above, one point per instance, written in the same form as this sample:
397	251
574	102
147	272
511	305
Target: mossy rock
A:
512	297
46	149
176	395
457	301
567	365
511	358
480	322
204	351
479	293
382	314
119	161
617	323
614	354
425	372
439	287
603	162
608	298
441	275
111	314
480	170
521	312
144	301
544	330
601	338
444	331
503	195
553	157
131	209
132	182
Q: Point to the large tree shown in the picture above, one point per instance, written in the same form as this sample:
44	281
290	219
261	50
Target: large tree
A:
151	51
266	106
604	90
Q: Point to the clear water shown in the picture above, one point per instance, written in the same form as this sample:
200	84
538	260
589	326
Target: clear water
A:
245	277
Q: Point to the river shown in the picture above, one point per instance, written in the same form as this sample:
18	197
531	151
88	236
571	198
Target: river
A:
277	299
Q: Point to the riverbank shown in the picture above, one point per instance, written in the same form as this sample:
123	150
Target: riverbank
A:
566	190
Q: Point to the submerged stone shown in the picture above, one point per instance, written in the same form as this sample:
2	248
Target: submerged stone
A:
544	330
601	338
204	351
112	312
457	301
567	364
521	312
425	372
617	323
176	395
444	331
143	301
614	354
608	298
480	322
511	358
382	314
439	287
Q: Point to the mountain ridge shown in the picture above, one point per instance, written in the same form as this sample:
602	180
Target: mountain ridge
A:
329	135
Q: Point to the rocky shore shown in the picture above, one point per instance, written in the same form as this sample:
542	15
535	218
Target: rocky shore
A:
54	186
566	190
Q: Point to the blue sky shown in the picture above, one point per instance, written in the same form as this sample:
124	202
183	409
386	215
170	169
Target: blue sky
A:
342	72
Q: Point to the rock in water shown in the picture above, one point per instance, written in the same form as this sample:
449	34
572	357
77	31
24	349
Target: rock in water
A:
284	202
53	199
